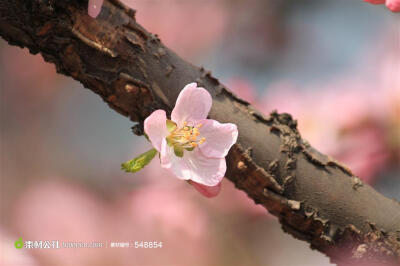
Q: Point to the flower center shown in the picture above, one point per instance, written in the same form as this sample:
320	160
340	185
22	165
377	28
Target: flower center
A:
185	138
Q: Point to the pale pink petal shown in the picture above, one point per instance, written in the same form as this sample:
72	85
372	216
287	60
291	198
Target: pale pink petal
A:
219	138
94	7
203	170
375	2
193	166
176	164
393	5
166	155
207	191
193	104
156	128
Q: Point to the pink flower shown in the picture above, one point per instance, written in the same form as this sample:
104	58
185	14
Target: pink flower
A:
191	146
393	5
94	7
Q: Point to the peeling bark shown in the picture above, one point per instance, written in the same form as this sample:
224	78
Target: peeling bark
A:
316	198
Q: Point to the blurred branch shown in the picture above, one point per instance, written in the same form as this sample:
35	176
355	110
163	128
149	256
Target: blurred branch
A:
316	198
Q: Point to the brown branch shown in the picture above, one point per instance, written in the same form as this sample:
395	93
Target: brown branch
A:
316	198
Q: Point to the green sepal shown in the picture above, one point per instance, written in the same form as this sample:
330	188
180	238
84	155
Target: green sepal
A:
190	149
136	164
178	151
171	125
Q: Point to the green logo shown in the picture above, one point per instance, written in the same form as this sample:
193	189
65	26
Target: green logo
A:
19	243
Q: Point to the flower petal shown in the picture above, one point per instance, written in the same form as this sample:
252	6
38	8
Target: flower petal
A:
207	191
174	163
166	154
206	171
193	166
393	5
94	7
219	138
155	126
193	104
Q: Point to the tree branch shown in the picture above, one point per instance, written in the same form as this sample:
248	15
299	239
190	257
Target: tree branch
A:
316	198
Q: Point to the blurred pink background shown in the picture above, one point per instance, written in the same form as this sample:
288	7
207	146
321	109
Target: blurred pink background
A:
327	63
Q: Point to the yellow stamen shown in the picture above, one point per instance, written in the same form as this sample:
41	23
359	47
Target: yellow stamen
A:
186	137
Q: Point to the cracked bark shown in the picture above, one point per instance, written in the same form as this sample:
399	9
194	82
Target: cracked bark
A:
316	198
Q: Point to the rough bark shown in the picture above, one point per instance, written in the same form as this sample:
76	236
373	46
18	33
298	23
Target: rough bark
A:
316	198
